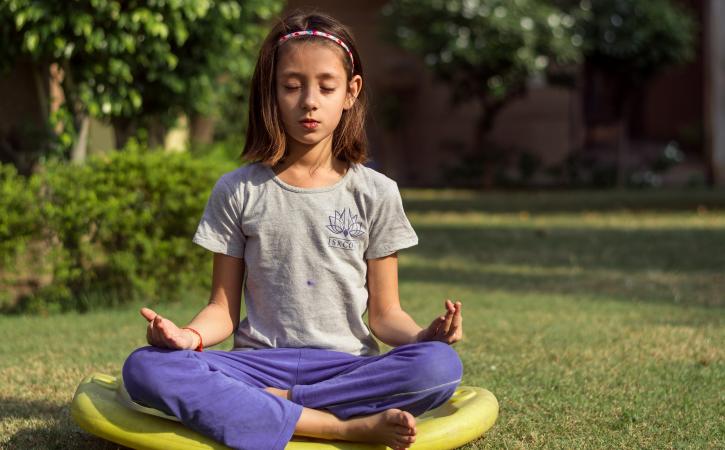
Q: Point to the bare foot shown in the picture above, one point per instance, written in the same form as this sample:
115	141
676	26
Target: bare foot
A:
278	392
394	428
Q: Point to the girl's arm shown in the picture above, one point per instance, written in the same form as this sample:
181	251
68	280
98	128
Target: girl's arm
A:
387	319
394	326
220	317
216	321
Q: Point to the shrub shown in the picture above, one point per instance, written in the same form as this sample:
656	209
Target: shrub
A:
19	224
19	220
119	228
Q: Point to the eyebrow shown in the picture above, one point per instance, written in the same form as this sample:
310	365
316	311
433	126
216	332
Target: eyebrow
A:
322	76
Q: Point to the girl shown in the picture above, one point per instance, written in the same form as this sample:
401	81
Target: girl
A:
316	234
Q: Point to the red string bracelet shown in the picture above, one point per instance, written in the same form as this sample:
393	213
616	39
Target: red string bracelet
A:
200	347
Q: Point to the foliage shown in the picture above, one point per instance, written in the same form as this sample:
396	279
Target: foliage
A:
132	61
28	142
485	49
20	220
121	224
635	38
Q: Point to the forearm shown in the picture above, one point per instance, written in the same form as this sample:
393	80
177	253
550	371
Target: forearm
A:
395	327
213	323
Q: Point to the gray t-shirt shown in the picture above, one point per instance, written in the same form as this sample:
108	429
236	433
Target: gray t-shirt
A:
305	252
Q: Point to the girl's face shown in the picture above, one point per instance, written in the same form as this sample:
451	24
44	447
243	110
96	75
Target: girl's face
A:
311	84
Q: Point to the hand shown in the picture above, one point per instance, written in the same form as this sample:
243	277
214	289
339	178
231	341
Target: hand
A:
164	333
448	328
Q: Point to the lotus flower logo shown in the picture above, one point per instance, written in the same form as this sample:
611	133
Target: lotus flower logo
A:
345	223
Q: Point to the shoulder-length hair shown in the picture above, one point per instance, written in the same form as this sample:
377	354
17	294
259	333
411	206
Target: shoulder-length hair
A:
265	140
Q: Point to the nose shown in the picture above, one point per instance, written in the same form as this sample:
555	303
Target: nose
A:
309	99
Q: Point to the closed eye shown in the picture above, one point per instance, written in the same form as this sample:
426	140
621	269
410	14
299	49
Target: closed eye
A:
292	88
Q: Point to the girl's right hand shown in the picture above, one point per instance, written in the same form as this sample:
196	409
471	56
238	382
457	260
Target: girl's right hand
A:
164	333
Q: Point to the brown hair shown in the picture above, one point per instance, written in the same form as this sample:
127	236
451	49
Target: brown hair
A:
265	135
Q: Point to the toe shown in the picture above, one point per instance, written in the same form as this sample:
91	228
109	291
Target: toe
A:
409	420
400	418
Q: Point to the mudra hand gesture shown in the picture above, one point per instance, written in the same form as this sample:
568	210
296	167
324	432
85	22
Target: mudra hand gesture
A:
162	332
447	328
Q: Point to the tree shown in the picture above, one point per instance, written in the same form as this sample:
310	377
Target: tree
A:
630	42
138	64
486	50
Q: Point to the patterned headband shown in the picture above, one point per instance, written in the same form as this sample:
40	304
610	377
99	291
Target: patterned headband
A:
319	33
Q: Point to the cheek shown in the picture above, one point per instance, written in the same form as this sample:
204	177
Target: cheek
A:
338	101
285	104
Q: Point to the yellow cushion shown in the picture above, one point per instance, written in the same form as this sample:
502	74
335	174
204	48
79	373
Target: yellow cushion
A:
102	407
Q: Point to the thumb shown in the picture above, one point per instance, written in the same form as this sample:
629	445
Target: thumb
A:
148	314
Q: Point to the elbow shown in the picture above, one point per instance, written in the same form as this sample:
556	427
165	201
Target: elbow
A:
374	323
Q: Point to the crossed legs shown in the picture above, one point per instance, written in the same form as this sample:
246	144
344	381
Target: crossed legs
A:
258	399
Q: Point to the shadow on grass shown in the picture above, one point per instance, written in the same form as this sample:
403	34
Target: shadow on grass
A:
566	201
672	266
678	250
57	437
59	431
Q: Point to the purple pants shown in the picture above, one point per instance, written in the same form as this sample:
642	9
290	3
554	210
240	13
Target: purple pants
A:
220	393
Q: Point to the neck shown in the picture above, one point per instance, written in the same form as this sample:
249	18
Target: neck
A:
311	157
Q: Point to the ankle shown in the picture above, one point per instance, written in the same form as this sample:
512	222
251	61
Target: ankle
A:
286	394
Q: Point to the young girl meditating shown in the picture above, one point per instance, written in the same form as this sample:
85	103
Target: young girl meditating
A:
310	234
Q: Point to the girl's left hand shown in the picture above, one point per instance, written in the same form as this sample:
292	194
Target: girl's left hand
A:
447	328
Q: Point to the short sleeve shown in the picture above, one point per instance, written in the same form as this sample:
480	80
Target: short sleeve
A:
390	229
220	228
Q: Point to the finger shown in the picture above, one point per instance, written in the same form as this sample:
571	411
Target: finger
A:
447	324
158	331
458	316
438	325
164	328
173	336
451	333
148	313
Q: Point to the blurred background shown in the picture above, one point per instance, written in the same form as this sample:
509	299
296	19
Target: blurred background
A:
116	118
561	161
475	93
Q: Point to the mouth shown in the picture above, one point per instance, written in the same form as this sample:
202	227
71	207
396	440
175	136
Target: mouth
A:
309	123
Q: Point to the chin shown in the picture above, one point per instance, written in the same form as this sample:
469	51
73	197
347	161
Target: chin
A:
310	140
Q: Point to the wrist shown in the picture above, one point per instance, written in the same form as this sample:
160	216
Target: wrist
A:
419	337
197	343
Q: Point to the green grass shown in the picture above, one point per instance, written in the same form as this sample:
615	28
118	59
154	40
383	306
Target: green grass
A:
595	318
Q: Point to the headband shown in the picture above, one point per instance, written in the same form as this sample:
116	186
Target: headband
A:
323	34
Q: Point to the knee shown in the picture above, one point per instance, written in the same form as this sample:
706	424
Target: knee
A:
140	371
435	364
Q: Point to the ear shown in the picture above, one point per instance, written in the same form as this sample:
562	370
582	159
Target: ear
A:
353	90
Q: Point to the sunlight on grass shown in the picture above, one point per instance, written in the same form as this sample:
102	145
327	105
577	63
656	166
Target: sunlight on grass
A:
596	326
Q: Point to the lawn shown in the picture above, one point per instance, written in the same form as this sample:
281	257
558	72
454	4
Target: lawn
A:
595	318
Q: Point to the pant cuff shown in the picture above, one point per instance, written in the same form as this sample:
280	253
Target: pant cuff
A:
297	394
293	416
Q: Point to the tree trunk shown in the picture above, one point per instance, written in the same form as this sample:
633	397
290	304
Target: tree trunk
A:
123	129
623	143
484	125
81	120
80	148
40	76
201	129
156	133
